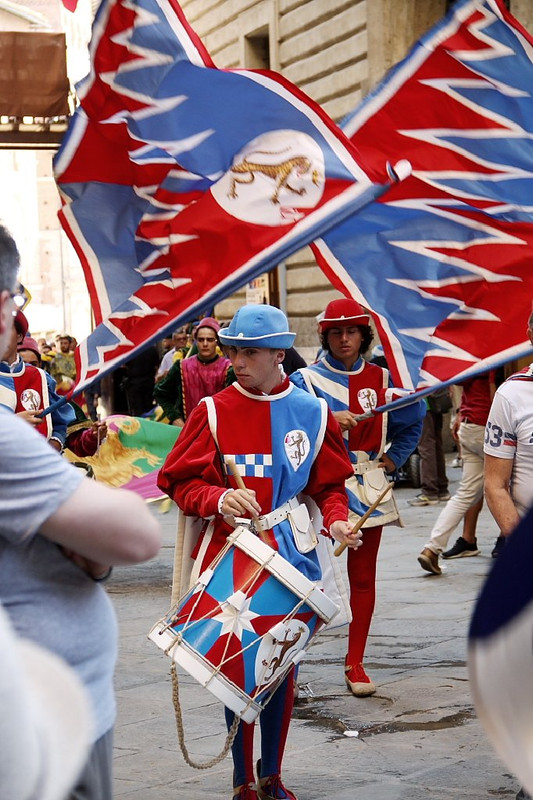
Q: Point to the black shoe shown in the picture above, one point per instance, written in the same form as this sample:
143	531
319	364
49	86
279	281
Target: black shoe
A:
498	546
461	549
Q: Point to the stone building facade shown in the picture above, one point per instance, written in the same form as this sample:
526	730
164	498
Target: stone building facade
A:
335	51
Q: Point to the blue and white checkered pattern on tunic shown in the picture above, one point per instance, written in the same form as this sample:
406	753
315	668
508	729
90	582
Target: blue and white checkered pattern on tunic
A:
251	465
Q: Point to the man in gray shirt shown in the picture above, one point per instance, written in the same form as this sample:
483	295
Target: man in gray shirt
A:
59	535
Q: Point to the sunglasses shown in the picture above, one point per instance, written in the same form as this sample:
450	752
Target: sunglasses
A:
21	297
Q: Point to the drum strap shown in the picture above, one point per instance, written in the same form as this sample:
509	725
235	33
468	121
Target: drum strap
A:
300	522
365	466
267	521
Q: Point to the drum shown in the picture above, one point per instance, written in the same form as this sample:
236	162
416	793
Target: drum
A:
250	616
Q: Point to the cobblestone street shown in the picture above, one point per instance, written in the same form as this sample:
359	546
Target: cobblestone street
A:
418	737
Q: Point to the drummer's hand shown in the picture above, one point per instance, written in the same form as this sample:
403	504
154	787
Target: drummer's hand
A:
346	420
239	502
33	417
387	463
343	532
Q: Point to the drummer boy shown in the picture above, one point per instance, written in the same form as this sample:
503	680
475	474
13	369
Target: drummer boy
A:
283	441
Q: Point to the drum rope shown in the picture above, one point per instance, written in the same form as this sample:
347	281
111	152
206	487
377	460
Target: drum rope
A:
254	577
173	617
232	732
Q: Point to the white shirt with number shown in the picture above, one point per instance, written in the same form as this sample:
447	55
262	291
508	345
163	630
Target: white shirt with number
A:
509	434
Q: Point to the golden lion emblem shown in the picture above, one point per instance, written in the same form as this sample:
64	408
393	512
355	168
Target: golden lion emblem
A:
245	171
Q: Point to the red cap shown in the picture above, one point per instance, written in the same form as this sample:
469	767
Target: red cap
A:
207	322
29	344
345	311
21	323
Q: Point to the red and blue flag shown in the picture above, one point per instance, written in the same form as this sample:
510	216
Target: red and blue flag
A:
444	259
181	181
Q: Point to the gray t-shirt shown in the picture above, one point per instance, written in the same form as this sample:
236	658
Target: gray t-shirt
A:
48	598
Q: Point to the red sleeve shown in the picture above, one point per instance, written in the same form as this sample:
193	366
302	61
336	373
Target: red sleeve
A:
330	471
83	442
192	473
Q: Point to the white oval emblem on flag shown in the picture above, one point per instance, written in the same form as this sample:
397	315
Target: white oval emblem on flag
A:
273	178
297	447
368	399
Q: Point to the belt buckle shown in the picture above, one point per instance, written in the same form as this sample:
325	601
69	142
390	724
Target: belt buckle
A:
259	524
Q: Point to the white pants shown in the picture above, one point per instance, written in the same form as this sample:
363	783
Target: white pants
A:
470	488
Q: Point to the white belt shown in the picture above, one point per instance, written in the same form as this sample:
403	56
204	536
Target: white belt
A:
267	521
365	466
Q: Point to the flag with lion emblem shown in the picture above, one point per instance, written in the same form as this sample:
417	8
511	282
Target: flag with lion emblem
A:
181	181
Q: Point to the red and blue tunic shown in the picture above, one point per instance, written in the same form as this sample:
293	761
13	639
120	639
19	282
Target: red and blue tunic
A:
360	390
283	444
26	389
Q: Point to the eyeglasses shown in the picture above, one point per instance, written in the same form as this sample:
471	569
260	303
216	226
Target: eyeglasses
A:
21	297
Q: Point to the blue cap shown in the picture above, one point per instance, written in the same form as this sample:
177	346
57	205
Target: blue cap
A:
258	326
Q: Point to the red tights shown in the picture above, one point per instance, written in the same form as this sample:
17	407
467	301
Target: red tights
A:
362	577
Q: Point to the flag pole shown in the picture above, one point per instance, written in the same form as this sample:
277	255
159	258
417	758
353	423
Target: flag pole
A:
53	406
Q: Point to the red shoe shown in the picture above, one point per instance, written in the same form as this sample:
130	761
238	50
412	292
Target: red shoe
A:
358	681
245	792
271	787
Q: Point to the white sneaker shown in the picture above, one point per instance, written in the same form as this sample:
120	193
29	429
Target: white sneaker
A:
423	500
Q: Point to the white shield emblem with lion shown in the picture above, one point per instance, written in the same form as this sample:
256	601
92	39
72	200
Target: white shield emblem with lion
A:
368	399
